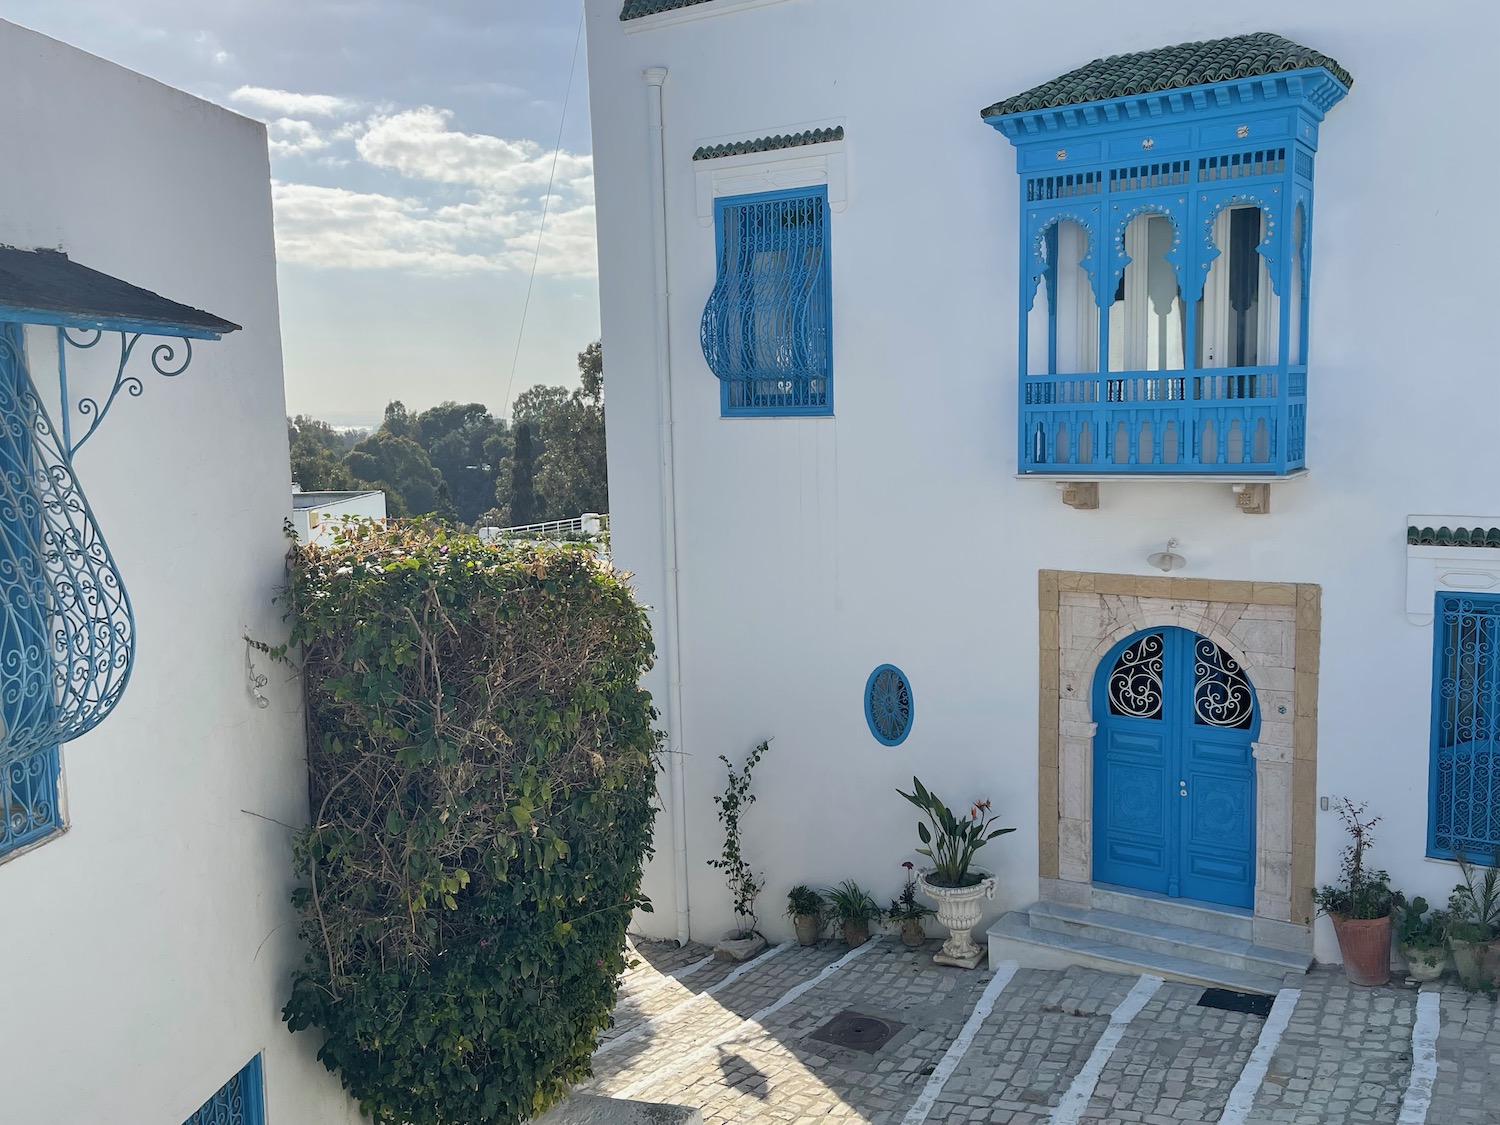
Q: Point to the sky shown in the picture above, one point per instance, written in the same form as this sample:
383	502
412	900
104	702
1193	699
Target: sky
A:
412	143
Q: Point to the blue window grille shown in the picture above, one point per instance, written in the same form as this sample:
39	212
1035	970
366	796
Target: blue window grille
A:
240	1101
888	705
767	329
1464	784
66	633
1165	233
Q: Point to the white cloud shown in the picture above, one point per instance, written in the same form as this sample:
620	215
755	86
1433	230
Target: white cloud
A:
492	227
284	103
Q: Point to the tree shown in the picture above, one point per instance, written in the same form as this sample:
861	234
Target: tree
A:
465	443
519	507
317	453
572	477
413	486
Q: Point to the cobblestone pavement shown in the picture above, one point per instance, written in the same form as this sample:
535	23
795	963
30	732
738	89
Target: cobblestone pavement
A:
1345	1055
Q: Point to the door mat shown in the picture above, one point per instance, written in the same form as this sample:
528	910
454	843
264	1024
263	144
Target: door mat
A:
1250	1003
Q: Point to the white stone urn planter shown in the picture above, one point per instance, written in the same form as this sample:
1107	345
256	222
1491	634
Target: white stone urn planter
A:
959	909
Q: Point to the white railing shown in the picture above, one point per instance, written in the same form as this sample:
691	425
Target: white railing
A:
590	523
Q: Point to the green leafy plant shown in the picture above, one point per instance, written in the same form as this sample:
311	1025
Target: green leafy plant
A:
951	841
482	774
905	907
744	886
851	903
1363	892
1475	903
802	899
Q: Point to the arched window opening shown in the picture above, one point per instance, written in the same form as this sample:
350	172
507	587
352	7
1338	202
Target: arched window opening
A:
1238	314
1147	319
1062	332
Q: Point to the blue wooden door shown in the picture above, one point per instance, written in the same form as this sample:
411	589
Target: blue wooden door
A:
1174	778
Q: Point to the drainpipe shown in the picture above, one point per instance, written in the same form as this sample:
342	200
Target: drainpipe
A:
671	644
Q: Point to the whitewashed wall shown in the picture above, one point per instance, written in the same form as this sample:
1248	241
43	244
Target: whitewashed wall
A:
814	549
146	952
321	524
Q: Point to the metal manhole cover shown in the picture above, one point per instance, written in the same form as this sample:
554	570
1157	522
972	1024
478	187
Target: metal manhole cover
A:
858	1032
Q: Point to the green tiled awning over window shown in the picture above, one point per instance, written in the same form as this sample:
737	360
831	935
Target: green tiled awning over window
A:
771	144
635	9
1165	68
1453	537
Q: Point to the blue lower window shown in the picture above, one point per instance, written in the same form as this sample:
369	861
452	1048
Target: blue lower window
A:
240	1101
28	790
1464	788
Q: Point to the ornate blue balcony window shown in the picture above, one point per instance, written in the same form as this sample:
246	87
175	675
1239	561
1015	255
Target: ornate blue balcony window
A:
67	636
1166	215
240	1101
767	328
1464	783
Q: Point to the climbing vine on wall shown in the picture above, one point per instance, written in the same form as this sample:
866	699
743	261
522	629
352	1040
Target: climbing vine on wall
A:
482	771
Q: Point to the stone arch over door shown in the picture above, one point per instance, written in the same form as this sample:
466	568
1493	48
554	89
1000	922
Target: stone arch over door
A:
1272	631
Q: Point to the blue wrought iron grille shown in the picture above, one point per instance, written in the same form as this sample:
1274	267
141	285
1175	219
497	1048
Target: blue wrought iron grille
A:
66	634
766	330
1465	775
240	1101
28	799
888	705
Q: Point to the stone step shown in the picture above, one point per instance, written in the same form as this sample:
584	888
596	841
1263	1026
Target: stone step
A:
1178	911
1014	938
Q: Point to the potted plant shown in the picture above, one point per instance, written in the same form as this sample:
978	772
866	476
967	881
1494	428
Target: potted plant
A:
950	843
805	906
744	941
1422	939
908	912
1361	904
1474	933
853	909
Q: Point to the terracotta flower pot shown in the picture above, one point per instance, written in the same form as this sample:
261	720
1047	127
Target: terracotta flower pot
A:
855	933
959	908
912	933
808	927
1365	944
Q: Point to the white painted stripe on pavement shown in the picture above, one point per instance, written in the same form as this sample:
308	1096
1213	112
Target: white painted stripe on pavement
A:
1069	1111
1424	1035
1237	1109
960	1046
685	1062
646	1025
663	979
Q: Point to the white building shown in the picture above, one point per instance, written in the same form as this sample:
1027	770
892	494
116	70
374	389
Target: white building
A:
830	237
317	516
146	867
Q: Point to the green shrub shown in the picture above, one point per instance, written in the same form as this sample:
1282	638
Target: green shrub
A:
482	772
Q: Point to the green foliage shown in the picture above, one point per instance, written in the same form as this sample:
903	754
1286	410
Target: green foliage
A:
400	466
1364	892
744	887
317	452
802	899
951	842
905	907
1475	903
849	902
1417	929
482	776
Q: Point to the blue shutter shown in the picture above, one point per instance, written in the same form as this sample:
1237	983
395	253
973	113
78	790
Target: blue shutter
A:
240	1101
766	329
66	633
1464	787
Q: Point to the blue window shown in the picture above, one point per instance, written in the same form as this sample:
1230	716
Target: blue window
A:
240	1101
1165	227
1464	787
767	329
28	784
888	705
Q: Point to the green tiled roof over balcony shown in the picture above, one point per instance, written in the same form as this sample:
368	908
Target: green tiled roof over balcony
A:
1165	68
1453	536
635	9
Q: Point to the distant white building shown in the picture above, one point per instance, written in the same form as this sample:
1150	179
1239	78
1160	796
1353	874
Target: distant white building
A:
317	516
929	326
145	851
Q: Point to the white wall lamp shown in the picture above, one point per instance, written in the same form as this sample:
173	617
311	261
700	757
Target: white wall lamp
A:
1168	560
